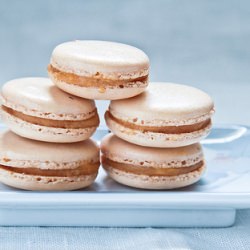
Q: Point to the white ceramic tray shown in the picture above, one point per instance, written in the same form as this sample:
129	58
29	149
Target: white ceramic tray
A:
212	202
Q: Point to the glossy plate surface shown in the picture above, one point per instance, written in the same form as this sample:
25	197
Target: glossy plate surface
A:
212	201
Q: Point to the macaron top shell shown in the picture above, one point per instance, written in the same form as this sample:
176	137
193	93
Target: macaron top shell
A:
109	59
124	152
17	151
40	97
165	104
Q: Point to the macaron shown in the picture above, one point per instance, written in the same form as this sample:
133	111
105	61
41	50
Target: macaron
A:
151	168
99	70
35	108
165	115
36	165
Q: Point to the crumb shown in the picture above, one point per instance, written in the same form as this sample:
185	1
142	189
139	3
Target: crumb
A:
102	90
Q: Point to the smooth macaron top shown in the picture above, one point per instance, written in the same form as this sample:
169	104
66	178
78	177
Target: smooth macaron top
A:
124	152
110	59
164	104
38	96
17	151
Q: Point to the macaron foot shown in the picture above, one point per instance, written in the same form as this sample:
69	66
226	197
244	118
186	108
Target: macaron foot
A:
155	182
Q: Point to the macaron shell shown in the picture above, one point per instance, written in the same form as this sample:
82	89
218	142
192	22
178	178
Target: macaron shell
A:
108	93
17	151
118	150
154	182
86	58
152	139
40	97
42	183
43	133
169	103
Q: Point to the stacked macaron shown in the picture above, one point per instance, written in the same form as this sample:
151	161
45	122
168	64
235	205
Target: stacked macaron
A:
156	137
51	121
156	130
50	149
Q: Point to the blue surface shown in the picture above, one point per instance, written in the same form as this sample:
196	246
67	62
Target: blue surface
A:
202	43
76	238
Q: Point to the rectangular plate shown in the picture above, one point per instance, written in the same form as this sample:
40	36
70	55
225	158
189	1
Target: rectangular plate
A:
211	202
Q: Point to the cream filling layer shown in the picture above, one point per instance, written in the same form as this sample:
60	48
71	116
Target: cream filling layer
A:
161	129
86	169
150	171
91	122
94	81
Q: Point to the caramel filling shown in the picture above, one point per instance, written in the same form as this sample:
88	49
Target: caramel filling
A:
86	169
91	122
163	129
150	171
94	81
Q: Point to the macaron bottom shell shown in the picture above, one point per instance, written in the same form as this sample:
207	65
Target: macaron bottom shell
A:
154	182
44	133
101	93
154	139
45	183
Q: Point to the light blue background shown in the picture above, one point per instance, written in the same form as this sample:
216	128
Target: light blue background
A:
202	43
